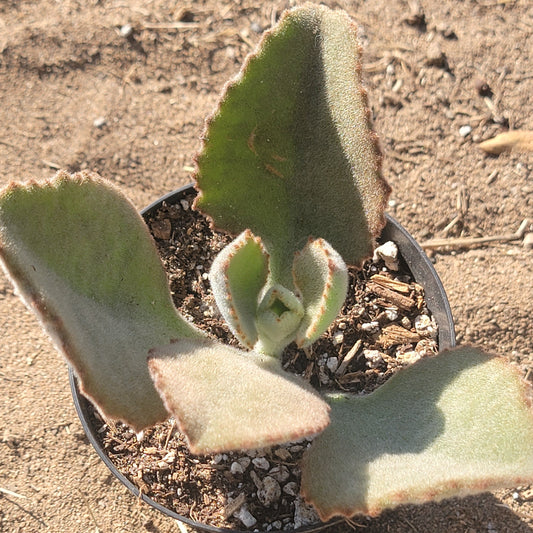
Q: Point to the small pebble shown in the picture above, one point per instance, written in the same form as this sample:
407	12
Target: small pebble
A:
425	326
184	205
388	252
99	122
338	338
464	131
332	363
283	454
406	323
270	491
244	462
280	473
408	358
236	468
255	27
247	518
374	358
126	30
435	57
261	463
291	488
370	327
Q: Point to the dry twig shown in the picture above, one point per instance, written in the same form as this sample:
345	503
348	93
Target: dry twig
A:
467	242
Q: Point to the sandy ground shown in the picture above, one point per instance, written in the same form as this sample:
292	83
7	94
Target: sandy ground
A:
76	94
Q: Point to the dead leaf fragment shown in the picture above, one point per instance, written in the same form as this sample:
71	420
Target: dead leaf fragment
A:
518	140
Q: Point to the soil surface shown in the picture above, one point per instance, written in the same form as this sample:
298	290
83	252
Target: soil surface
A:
122	88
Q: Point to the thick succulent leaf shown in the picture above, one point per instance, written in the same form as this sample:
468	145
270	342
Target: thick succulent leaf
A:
290	153
278	316
237	276
451	425
226	399
321	277
84	262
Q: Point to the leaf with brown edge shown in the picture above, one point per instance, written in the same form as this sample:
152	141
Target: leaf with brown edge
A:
226	399
237	276
321	278
83	260
451	425
290	152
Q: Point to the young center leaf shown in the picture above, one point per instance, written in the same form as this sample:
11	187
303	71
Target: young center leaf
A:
321	277
84	262
290	152
238	275
458	423
226	399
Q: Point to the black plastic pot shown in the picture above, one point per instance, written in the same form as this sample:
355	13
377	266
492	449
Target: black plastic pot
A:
423	272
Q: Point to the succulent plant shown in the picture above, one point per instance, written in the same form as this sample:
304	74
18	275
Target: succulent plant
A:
291	165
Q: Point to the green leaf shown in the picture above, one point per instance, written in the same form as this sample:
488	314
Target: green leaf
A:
290	152
225	399
84	262
278	317
321	278
237	276
451	425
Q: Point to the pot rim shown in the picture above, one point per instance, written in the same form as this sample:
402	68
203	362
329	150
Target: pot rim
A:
437	303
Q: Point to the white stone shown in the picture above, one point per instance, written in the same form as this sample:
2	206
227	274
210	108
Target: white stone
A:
374	358
391	314
338	338
270	491
388	252
465	130
370	327
99	122
236	468
185	205
425	326
247	518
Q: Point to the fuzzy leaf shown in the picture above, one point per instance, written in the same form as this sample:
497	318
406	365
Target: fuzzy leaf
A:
237	276
290	153
84	262
451	425
225	399
278	317
321	277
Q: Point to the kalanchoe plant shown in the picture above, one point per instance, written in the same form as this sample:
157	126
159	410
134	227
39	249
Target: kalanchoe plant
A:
289	163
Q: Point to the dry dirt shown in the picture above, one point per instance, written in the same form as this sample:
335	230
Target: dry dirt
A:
75	93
